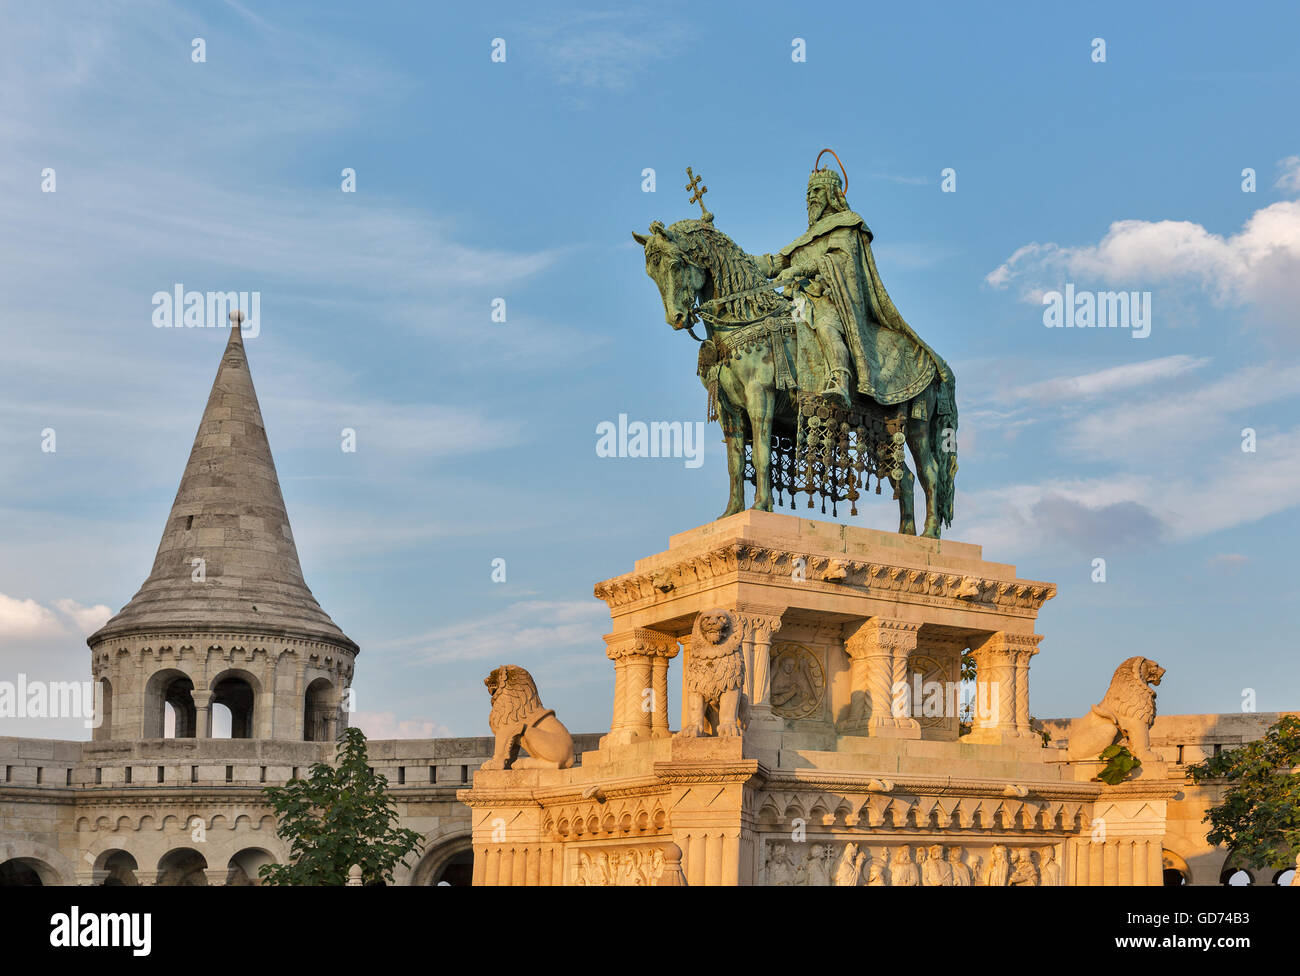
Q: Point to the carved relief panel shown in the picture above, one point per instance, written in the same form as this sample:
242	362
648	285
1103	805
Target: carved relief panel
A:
917	864
798	682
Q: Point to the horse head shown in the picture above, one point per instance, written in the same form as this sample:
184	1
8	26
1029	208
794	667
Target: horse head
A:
679	279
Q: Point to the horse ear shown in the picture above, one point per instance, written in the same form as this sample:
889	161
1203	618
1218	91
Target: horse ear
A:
640	238
658	229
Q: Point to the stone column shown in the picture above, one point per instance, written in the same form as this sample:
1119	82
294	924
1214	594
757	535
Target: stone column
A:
202	713
640	659
1027	648
759	625
1002	686
878	649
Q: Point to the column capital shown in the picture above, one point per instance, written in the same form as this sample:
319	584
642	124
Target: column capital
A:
1002	642
216	876
640	642
758	622
880	635
202	698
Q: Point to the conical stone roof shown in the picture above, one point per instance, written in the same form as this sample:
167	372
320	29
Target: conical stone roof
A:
229	513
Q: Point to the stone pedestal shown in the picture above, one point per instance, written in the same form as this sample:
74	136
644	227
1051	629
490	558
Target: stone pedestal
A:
851	769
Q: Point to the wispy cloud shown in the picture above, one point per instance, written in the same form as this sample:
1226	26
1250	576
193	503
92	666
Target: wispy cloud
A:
608	50
1106	381
520	629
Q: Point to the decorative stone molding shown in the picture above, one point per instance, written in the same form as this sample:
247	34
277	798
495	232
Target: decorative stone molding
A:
835	574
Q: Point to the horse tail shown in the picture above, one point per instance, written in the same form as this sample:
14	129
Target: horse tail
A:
943	441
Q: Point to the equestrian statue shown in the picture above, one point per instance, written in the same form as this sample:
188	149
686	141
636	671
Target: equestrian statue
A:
817	380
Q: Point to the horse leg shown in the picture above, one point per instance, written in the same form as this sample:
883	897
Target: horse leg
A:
760	400
903	488
733	431
927	463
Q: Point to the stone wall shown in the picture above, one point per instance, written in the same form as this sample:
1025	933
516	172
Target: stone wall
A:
78	812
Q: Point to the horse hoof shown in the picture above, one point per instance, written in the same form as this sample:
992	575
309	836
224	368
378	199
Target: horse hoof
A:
907	528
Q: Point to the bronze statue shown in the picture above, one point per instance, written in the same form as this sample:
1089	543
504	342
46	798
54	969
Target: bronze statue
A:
819	386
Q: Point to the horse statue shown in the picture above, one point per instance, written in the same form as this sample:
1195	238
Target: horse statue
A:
761	366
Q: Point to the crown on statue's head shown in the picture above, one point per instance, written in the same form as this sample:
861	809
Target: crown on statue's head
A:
824	177
820	178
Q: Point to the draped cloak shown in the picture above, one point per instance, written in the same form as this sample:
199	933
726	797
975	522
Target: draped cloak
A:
892	362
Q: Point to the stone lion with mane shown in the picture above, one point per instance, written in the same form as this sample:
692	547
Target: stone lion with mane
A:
715	674
519	718
1125	713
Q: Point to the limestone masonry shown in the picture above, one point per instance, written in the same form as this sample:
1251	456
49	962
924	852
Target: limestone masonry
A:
820	735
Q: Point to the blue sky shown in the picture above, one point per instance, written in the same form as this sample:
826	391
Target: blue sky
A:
522	180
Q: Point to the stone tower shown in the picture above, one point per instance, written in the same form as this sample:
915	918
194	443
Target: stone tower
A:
225	617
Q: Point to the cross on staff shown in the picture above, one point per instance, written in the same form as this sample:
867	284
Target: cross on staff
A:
698	195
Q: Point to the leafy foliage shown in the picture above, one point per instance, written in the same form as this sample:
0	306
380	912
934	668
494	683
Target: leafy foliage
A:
1259	816
338	816
1119	763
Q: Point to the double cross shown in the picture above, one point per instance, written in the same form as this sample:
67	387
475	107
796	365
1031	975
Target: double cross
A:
698	195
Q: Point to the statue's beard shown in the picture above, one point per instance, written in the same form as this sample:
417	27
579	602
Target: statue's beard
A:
818	211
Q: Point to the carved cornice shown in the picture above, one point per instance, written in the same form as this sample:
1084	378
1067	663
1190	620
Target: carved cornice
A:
710	771
826	572
830	781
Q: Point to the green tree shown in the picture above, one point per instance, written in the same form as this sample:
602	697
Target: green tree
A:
1259	816
338	816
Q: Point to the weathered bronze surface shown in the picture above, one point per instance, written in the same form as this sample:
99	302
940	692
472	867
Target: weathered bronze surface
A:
818	386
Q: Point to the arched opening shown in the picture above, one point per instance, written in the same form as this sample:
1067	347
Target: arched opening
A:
26	872
1284	879
244	868
104	713
169	706
182	867
1236	877
235	691
1176	871
319	711
446	861
118	869
458	871
221	721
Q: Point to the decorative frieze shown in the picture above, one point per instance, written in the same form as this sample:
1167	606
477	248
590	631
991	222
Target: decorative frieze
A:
835	574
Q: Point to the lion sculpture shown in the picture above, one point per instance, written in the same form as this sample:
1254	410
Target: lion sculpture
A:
715	673
519	718
1125	713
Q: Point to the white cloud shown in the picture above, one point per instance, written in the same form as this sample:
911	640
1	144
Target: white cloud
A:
1289	178
29	620
1259	265
26	620
1159	425
386	725
87	619
1227	488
